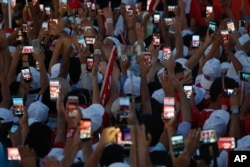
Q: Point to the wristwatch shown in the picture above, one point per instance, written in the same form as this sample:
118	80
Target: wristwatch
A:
234	110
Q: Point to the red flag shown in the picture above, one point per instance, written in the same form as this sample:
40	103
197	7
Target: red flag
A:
151	5
106	85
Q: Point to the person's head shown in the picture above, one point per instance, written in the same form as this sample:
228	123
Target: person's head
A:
112	153
40	139
108	44
6	120
217	121
217	90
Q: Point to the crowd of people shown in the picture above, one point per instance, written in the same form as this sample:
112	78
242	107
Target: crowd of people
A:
124	83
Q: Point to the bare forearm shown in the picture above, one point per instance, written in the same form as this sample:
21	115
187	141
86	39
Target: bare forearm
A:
178	45
185	107
146	104
96	91
43	77
131	36
234	129
95	157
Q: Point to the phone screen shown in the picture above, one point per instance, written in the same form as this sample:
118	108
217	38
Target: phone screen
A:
45	26
72	106
195	41
147	58
13	153
188	90
168	108
225	35
177	144
81	42
230	26
27	49
90	63
156	39
85	129
156	17
36	45
208	136
212	27
18	106
209	10
47	10
14	128
93	7
123	137
90	40
226	143
54	89
26	74
244	76
172	8
168	21
166	53
124	107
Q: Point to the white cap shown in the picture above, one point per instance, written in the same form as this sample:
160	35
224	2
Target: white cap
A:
211	70
244	39
159	95
136	86
118	164
37	112
6	115
199	94
218	121
243	144
95	113
184	53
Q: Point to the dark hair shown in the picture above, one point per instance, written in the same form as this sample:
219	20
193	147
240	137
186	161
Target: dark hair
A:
39	138
216	88
112	153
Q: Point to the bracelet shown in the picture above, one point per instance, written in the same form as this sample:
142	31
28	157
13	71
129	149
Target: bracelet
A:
234	110
70	132
97	52
108	21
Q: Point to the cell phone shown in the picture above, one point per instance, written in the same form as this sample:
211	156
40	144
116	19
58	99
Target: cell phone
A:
13	153
72	106
123	137
41	6
88	4
81	42
47	10
195	41
208	136
71	18
166	53
36	45
124	107
156	39
90	63
147	58
230	26
85	129
26	74
168	21
18	106
19	36
93	7
90	40
45	25
177	142
226	143
54	89
244	76
188	90
212	27
27	49
225	35
172	8
209	10
25	27
168	107
14	128
242	23
156	18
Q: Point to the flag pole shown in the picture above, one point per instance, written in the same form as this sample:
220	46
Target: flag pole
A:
9	14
